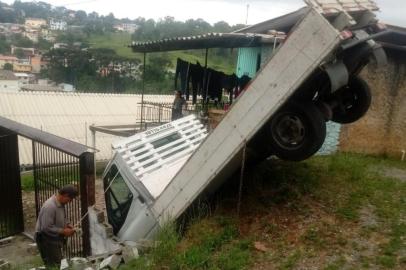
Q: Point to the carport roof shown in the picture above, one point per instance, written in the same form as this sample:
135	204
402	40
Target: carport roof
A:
210	40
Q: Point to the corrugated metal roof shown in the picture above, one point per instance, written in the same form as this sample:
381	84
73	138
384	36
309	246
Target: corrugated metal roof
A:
210	40
69	115
40	87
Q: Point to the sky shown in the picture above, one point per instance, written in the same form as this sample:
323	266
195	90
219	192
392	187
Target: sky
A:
231	11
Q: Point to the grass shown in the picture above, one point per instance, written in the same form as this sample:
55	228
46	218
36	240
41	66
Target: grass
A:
209	244
27	181
119	42
325	213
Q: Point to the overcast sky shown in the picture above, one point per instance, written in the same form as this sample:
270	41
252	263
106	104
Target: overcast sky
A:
231	11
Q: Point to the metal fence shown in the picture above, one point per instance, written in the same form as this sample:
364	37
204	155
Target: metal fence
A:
56	162
52	170
11	208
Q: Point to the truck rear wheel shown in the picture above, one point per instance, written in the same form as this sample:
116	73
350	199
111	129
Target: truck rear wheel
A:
296	131
352	101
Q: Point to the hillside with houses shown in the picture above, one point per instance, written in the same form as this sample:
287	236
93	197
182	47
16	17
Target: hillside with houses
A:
66	50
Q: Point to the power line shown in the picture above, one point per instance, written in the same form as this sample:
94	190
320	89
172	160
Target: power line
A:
78	3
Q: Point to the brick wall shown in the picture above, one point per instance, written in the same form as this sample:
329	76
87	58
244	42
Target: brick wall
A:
383	129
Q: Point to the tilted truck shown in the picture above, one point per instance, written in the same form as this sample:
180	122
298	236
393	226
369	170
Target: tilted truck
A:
156	175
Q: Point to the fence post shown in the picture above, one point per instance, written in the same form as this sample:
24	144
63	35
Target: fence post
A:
159	113
87	195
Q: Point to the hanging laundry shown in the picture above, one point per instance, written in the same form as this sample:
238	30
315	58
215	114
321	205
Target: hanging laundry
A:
195	77
229	83
182	70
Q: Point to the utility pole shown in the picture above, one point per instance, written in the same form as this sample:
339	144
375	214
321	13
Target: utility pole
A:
246	18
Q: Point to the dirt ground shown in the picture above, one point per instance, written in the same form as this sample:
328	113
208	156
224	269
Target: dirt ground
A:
21	253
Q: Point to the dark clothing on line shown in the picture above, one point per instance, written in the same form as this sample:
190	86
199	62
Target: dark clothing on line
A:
195	76
182	70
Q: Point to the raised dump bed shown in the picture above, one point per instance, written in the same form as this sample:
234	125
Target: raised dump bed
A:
150	186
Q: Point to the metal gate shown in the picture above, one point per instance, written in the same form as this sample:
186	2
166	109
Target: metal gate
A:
56	162
11	208
52	170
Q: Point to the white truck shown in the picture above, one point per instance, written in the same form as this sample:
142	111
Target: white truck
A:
156	175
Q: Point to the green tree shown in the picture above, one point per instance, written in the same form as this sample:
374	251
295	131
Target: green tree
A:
19	53
8	66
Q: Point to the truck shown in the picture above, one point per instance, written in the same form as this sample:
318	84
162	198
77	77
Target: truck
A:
312	78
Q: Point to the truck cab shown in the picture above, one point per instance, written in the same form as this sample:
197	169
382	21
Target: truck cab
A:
141	168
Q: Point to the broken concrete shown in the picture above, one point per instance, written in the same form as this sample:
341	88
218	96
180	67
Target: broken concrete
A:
101	234
6	241
111	262
129	251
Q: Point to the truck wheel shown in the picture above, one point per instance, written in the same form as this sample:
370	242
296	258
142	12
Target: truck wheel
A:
353	101
296	131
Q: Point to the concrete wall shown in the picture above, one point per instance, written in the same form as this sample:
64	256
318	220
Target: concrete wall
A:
332	139
383	129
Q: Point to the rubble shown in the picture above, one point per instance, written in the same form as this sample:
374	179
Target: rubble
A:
6	241
111	262
130	251
4	264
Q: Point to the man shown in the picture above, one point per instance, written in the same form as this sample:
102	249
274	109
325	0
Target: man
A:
52	226
178	105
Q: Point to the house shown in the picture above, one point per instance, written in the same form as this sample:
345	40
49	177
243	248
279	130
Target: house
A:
60	46
22	67
8	81
35	62
32	34
126	27
58	25
28	52
24	78
35	23
66	87
7	59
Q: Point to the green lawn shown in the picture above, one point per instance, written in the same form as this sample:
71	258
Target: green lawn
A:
338	212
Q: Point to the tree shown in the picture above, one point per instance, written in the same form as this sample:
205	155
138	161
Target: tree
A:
19	53
8	66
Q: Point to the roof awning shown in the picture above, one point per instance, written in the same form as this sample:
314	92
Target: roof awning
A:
210	40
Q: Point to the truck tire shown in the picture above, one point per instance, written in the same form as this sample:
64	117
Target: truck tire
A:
353	101
296	131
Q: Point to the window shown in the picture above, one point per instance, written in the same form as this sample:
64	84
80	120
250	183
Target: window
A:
165	140
118	198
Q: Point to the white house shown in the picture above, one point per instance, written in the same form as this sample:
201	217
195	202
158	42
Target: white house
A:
58	25
24	78
8	81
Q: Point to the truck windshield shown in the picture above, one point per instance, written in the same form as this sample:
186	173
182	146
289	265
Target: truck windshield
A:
118	198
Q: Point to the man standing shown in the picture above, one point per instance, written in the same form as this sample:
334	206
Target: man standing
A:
52	226
178	105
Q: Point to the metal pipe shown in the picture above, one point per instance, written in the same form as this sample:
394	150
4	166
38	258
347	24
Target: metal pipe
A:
403	154
143	89
356	42
205	86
